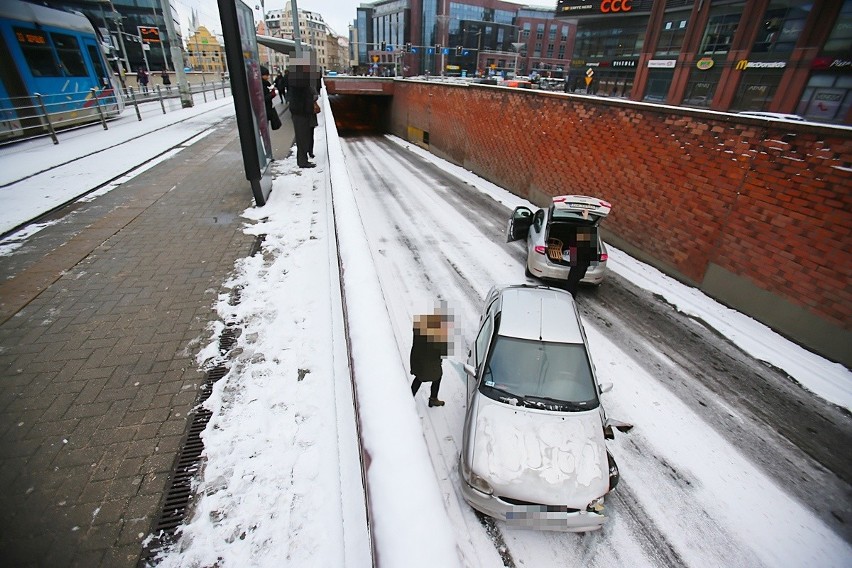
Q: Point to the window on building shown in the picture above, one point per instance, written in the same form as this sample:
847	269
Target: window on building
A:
550	50
659	81
539	31
602	40
701	87
781	26
671	37
564	33
720	31
537	50
562	51
827	97
840	40
552	34
756	90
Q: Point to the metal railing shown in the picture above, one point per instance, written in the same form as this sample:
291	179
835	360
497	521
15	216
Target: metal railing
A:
50	114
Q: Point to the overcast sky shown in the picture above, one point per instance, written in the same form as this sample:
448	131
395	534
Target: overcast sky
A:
338	14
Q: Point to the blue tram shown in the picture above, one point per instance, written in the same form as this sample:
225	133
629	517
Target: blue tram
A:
59	56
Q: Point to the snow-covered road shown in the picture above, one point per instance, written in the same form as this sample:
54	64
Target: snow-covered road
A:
705	480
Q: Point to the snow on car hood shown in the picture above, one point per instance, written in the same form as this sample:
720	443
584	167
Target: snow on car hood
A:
553	458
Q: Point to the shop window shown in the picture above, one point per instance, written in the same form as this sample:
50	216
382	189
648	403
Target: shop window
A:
701	88
756	90
827	98
659	81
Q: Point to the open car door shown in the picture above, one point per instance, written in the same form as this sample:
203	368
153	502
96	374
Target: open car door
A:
519	224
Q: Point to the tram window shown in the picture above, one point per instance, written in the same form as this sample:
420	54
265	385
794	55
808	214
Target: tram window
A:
95	56
70	56
37	52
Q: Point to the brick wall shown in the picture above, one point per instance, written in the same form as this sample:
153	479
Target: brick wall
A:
690	189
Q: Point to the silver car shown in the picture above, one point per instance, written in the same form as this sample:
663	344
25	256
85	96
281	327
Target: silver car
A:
550	231
533	452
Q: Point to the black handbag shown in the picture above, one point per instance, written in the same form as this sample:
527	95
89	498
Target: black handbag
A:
275	120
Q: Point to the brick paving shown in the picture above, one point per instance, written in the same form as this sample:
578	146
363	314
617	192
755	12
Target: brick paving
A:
99	326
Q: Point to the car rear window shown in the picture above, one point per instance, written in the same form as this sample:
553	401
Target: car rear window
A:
526	368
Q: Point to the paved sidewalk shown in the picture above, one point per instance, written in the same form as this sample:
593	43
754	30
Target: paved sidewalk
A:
101	316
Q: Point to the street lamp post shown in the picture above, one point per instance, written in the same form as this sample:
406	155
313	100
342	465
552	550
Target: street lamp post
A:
517	45
177	56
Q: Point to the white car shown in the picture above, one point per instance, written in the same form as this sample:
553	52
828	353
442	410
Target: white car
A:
533	452
550	231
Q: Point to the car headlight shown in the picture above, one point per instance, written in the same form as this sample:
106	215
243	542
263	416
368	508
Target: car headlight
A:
596	506
480	484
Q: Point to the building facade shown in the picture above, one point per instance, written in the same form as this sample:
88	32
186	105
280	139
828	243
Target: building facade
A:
204	53
782	56
313	32
134	29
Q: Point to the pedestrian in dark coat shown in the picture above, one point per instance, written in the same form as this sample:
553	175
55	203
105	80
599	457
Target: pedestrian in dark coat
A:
142	79
269	98
429	345
301	96
280	86
166	81
583	250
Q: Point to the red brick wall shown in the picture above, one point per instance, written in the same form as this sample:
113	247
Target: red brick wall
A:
688	188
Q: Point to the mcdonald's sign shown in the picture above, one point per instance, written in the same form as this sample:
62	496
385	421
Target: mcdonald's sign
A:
742	65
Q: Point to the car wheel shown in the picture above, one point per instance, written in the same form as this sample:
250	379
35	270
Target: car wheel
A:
614	476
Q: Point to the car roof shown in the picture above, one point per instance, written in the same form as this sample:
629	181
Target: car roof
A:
539	313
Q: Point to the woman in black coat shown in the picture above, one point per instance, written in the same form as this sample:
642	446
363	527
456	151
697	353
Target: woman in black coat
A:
428	347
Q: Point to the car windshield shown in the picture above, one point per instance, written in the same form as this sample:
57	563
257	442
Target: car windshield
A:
554	376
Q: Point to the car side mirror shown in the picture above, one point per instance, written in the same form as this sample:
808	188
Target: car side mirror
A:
605	387
622	427
471	372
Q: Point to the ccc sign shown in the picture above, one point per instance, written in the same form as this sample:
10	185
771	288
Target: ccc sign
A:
616	6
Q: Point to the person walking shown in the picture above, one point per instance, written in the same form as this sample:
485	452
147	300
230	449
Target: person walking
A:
269	99
142	79
582	251
280	86
167	83
429	345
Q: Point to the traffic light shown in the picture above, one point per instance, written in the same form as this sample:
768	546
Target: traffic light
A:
458	50
408	47
437	48
383	46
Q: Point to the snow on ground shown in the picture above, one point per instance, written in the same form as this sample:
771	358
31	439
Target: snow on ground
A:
280	480
825	378
36	177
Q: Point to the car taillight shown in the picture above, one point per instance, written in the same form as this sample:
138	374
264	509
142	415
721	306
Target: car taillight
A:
540	249
603	257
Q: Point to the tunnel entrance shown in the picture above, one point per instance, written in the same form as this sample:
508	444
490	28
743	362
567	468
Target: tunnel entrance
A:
361	114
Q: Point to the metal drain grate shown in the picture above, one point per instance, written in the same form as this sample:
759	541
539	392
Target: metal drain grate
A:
179	492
